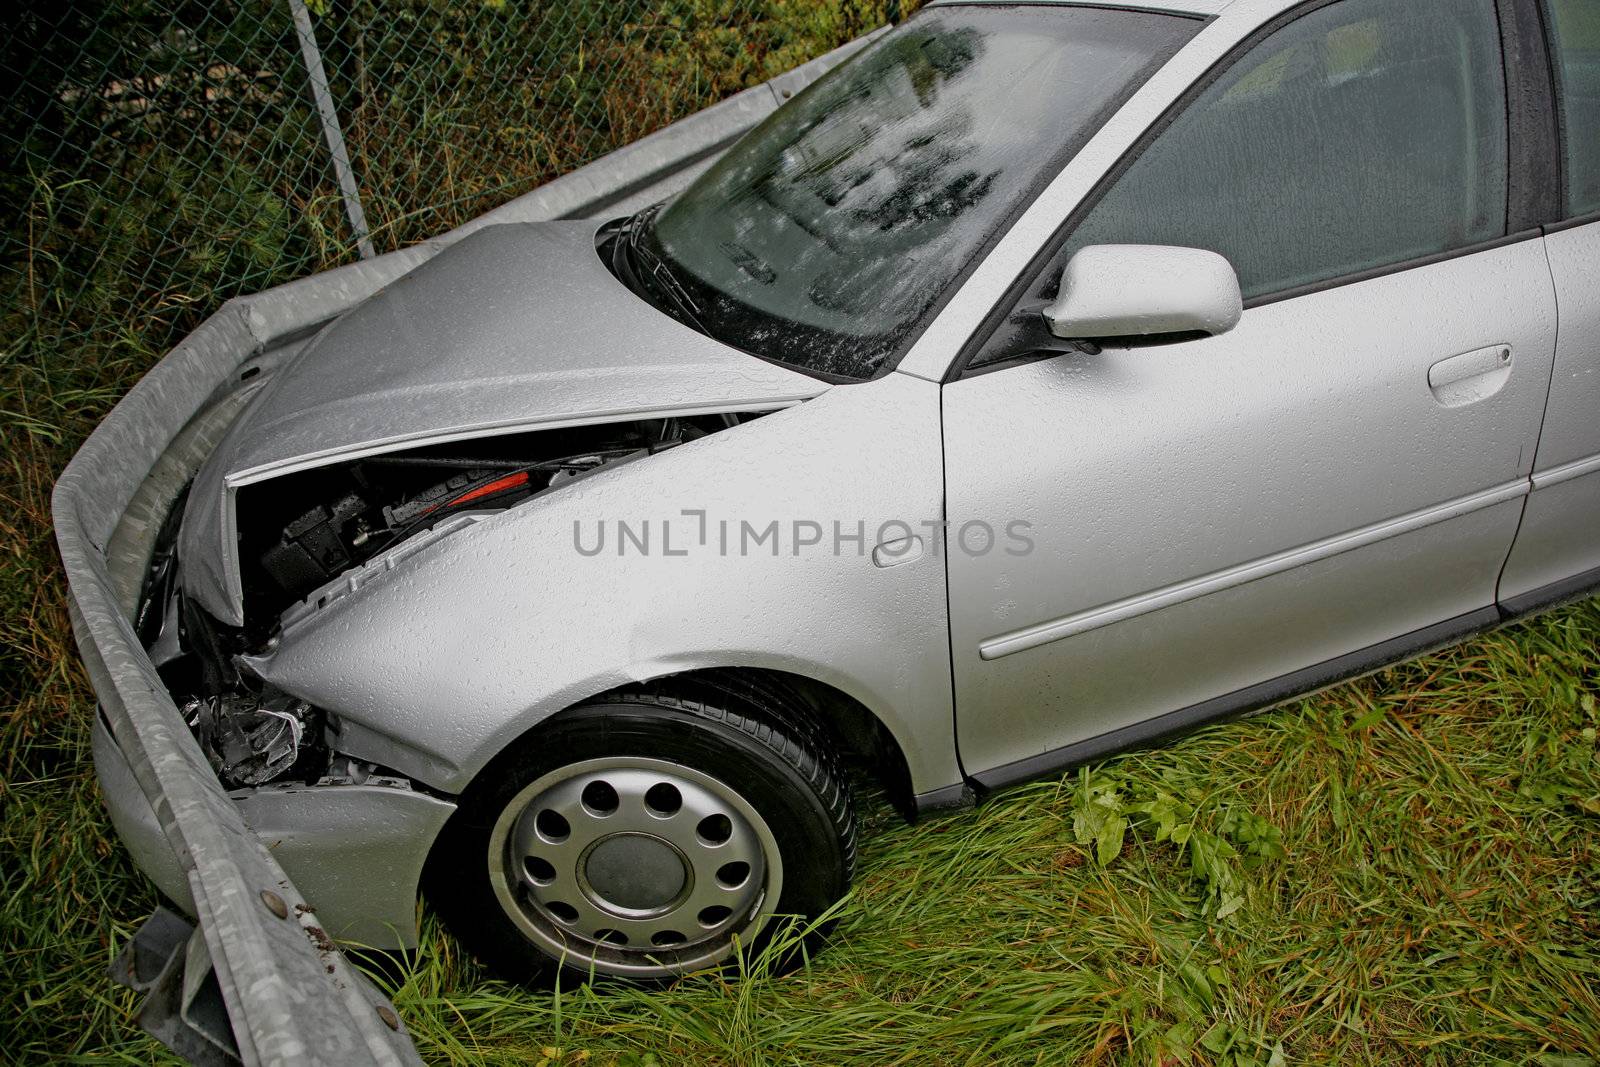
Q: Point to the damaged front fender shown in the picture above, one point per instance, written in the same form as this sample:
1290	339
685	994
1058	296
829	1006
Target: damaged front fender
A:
435	666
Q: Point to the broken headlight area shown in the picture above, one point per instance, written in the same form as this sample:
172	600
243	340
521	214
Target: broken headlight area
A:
254	738
249	733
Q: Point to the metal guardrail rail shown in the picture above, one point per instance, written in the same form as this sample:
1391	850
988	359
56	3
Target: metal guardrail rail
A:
287	995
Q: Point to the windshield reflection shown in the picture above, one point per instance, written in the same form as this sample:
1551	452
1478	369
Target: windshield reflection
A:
824	236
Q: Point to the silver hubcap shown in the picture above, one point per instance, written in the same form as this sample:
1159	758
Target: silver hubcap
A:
635	866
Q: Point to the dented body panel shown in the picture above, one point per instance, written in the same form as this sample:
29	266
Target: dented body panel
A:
516	326
552	624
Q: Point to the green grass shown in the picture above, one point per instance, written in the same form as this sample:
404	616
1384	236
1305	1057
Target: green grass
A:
1403	870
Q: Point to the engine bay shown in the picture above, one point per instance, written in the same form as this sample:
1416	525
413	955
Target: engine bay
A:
300	531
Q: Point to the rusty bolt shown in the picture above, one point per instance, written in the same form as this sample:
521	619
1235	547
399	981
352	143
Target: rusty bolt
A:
275	903
390	1019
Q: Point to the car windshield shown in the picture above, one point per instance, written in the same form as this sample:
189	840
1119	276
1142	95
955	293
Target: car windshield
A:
827	237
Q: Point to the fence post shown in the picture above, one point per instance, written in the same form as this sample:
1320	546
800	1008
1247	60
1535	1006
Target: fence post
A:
330	127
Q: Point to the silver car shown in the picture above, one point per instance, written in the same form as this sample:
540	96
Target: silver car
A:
1044	380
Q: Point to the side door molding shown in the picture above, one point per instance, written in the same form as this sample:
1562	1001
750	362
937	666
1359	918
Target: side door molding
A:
1252	570
1277	691
1566	472
1259	697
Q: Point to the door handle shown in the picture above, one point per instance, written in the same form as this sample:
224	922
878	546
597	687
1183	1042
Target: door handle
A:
1470	376
900	550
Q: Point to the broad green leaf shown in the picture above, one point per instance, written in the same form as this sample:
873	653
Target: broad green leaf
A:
1108	844
1217	1039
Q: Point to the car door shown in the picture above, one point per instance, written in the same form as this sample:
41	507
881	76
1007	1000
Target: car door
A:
1212	524
1558	545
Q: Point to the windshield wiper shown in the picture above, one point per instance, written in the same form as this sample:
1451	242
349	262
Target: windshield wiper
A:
625	247
645	266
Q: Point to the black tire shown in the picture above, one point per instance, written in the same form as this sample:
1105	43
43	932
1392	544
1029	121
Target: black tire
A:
749	739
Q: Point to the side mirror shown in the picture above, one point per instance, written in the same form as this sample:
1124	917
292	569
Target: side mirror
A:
1144	291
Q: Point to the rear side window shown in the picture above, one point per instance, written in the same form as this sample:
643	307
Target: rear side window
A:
1364	134
1575	36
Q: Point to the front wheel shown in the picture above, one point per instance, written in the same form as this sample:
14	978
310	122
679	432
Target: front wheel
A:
644	836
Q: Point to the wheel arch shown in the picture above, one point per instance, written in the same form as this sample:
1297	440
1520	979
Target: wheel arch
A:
843	722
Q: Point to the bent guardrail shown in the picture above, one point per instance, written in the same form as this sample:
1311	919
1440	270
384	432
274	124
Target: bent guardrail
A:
287	994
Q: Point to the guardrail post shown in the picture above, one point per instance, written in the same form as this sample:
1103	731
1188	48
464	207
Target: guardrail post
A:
330	126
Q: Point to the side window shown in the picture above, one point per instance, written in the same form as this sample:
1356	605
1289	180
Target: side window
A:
1363	134
1575	36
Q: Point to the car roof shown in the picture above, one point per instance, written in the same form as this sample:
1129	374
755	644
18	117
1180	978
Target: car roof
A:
1181	7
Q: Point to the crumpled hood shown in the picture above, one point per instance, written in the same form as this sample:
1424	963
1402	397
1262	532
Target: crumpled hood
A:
516	326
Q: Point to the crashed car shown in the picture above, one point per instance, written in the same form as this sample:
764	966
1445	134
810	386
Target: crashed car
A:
1043	380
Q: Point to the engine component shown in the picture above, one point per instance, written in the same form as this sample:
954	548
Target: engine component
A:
454	493
313	546
250	740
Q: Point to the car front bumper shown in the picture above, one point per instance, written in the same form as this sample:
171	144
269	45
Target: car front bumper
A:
135	820
355	850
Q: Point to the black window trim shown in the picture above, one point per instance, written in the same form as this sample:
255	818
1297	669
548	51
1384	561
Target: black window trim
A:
1533	146
1562	217
1586	219
1522	66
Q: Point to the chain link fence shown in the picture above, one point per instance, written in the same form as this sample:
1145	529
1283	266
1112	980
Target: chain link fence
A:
160	156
